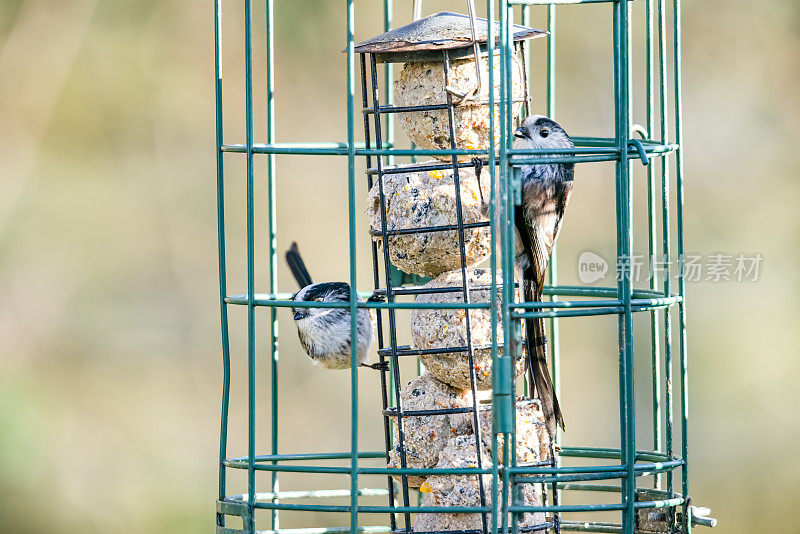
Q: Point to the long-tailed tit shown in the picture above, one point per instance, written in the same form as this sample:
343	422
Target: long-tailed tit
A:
546	189
325	332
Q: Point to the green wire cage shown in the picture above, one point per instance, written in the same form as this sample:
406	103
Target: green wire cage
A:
649	489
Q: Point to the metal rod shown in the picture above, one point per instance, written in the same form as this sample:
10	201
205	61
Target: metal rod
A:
679	192
421	167
493	304
387	432
624	246
665	236
465	282
272	248
395	367
639	469
335	149
502	398
525	52
573	452
405	350
351	197
430	229
223	307
652	237
251	321
552	267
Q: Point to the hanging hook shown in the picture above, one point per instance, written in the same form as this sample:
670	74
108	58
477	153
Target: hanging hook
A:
642	131
475	93
640	149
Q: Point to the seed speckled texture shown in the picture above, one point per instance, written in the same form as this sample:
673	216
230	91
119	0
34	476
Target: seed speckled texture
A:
425	436
464	490
438	329
421	199
533	441
422	83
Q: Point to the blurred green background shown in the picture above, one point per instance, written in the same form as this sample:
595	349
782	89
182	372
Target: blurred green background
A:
109	324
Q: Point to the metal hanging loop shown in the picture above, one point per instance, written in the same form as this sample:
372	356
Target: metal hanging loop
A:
475	93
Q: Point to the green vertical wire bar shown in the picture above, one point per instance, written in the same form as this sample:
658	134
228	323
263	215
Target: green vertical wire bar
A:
389	136
507	246
525	15
251	319
681	259
351	197
627	225
514	173
496	386
552	267
619	238
273	251
389	96
551	60
526	21
624	248
388	16
387	72
223	289
655	342
510	444
665	238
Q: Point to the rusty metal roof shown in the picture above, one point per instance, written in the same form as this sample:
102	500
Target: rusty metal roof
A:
440	31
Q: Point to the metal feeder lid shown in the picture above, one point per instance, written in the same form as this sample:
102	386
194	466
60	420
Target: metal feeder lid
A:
437	32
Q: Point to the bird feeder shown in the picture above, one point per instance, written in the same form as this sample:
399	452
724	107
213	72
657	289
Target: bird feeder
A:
488	445
429	221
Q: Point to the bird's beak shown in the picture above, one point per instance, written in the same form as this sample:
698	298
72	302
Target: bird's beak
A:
299	314
521	133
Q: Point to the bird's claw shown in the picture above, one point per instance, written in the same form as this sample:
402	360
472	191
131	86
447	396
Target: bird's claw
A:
379	366
478	164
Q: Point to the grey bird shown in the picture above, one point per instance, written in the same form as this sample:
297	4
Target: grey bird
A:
546	189
325	332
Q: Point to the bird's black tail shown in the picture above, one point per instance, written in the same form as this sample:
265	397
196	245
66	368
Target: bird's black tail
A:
539	380
298	266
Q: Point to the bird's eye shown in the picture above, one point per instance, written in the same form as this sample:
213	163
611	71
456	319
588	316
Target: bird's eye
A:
544	132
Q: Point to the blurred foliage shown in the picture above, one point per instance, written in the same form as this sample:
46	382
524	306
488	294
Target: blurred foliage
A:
110	373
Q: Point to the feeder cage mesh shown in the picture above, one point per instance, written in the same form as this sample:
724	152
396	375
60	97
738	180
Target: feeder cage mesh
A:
550	487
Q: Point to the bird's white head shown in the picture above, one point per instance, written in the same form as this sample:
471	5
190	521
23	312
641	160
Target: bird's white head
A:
322	292
540	132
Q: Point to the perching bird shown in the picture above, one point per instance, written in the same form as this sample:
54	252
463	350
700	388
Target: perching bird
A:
546	189
325	332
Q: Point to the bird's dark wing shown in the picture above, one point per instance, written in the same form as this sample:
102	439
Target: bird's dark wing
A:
297	266
562	193
542	216
538	222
